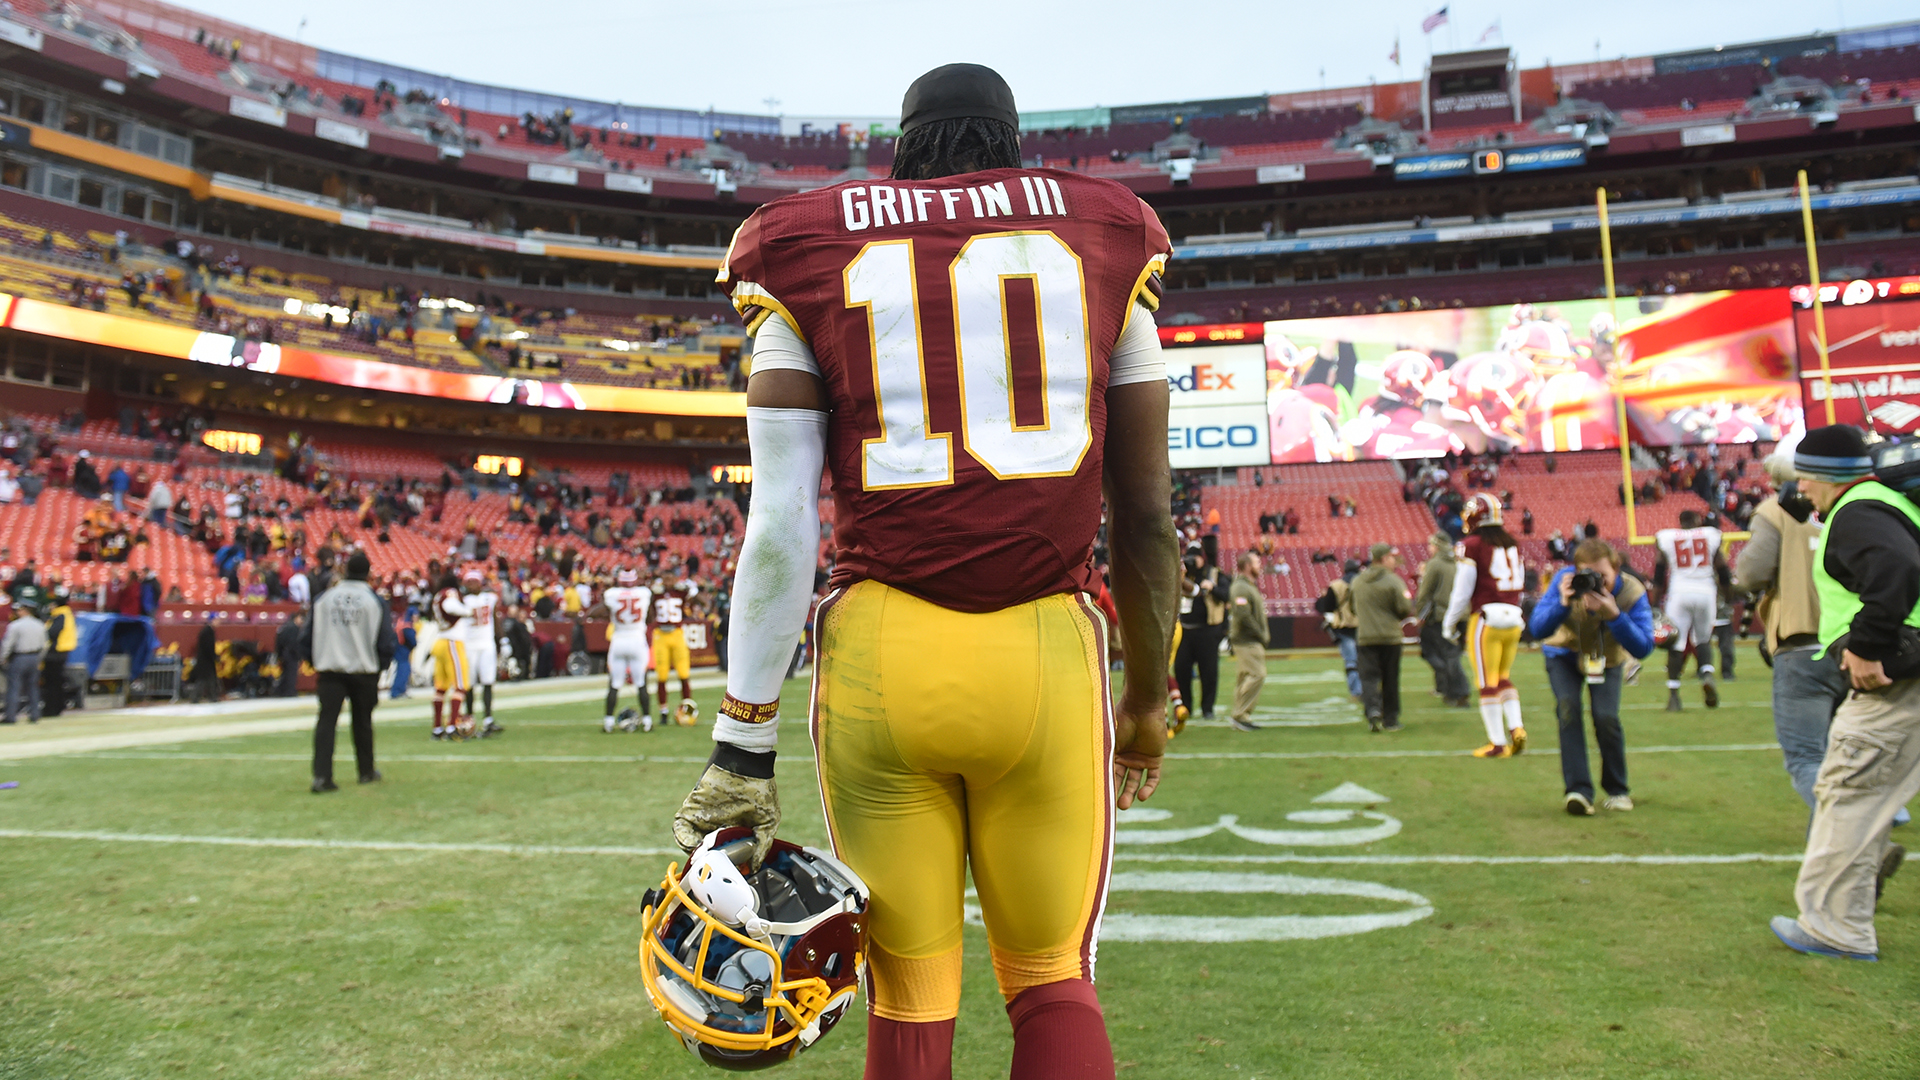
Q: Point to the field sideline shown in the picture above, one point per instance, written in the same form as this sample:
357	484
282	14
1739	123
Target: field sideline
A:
1309	900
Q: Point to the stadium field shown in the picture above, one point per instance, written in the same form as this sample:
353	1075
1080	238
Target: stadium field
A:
1310	900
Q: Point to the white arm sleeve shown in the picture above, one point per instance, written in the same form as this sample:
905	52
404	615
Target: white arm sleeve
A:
774	581
1136	356
1464	577
776	348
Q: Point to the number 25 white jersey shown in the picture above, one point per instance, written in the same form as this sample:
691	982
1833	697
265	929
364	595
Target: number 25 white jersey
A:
627	607
1689	554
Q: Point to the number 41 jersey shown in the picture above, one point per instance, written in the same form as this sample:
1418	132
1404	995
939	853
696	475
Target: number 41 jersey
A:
1499	573
963	328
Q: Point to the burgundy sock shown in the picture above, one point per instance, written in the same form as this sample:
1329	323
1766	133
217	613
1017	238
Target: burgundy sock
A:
1059	1033
898	1050
439	706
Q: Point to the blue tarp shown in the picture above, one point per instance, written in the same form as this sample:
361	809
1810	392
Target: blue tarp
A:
103	634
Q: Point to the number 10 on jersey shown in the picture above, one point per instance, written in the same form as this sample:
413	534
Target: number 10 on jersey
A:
907	455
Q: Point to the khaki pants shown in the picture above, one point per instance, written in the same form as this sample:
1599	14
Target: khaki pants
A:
1871	769
1249	676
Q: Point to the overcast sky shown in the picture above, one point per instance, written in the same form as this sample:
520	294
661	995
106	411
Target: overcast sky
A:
851	58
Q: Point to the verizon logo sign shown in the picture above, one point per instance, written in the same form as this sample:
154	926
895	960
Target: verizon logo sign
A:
1900	339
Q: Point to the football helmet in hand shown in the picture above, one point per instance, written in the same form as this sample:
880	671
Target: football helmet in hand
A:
748	968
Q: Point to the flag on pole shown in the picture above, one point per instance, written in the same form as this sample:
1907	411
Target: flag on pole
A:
1492	31
1434	21
1394	56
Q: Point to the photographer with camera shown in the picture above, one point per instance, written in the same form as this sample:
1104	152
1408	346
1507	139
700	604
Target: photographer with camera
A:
1590	619
1867	573
1777	566
1203	622
1336	609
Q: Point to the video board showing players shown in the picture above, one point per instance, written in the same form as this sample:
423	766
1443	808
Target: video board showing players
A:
1693	368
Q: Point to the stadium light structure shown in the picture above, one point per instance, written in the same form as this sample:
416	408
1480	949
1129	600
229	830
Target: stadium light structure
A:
1619	381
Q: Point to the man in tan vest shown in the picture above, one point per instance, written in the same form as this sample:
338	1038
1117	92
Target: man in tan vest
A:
1589	620
1777	567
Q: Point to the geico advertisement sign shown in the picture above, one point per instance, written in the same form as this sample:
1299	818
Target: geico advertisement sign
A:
1210	436
1217	375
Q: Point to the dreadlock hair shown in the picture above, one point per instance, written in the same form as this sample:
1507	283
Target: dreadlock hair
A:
963	144
1496	536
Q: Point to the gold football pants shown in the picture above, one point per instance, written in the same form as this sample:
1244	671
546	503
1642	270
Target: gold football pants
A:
948	740
1490	652
450	668
670	653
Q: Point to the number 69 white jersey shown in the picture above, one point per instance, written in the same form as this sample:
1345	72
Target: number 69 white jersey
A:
1689	554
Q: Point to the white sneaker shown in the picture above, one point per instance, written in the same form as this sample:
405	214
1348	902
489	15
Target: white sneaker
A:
606	725
646	722
1622	803
1578	806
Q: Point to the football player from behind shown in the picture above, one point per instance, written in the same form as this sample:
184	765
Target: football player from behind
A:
670	651
628	604
483	647
1486	593
452	674
1692	567
961	710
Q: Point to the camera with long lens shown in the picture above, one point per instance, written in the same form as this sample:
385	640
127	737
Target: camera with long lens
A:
1588	581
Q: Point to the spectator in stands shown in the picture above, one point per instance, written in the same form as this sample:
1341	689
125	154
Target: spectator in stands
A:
9	488
86	481
159	501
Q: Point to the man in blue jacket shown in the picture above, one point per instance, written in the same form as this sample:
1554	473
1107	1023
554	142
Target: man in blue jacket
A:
1589	620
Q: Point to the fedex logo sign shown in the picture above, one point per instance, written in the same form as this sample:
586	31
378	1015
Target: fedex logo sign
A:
1201	377
1217	375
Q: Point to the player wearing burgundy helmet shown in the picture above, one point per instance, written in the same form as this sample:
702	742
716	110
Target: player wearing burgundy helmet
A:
1487	585
452	670
968	350
1394	424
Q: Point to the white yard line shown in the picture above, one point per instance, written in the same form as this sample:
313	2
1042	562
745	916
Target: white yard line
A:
298	715
1532	751
648	852
803	759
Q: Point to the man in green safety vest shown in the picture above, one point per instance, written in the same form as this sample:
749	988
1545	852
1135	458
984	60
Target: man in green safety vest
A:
1867	574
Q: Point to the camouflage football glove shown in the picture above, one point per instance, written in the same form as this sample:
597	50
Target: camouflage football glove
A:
736	789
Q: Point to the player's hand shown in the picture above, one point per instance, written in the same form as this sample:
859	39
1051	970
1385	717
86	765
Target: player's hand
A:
722	798
1865	675
1139	741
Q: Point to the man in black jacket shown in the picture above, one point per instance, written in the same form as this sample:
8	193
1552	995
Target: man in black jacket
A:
206	664
286	649
1203	623
1867	574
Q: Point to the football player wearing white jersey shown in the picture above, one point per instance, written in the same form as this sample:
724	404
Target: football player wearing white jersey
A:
628	605
483	647
1691	568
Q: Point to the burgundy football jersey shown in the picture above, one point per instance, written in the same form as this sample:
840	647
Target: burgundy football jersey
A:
963	327
1500	575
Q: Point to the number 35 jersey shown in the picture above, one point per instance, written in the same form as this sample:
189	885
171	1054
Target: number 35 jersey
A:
963	328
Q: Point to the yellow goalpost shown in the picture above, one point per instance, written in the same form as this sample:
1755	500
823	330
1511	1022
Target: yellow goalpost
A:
1619	382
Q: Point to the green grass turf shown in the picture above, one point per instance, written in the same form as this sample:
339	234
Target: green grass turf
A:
153	960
